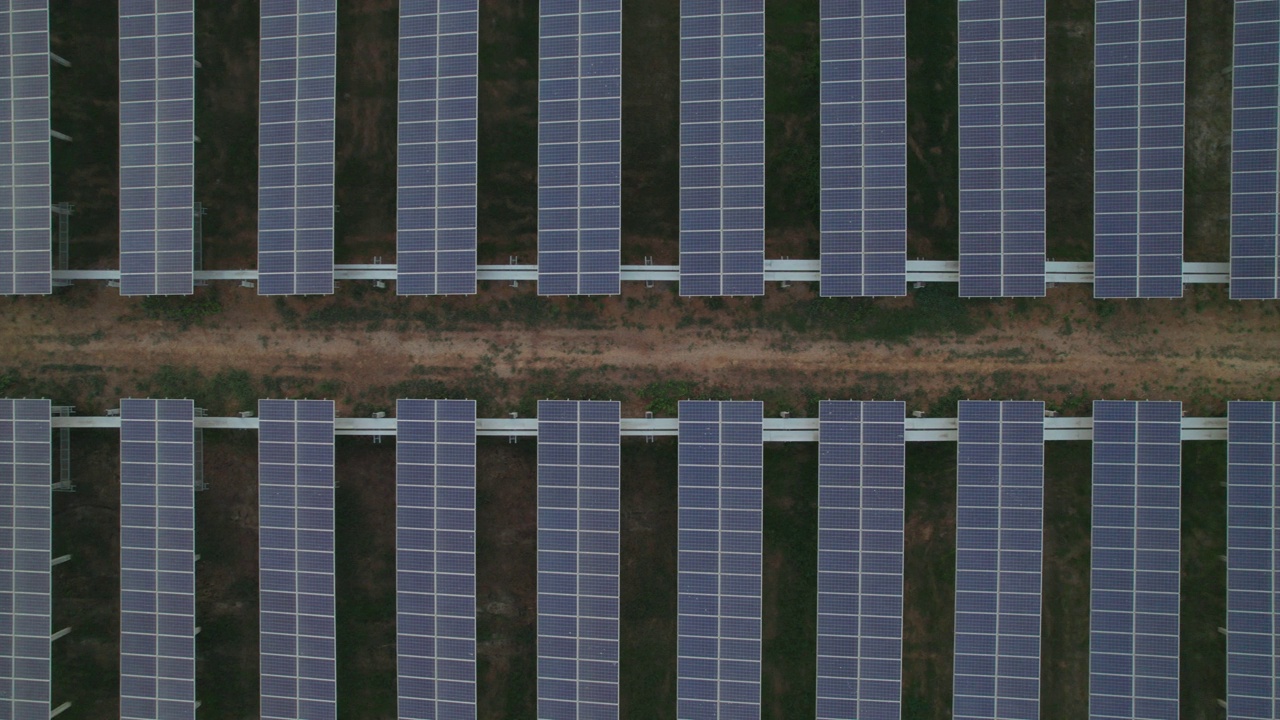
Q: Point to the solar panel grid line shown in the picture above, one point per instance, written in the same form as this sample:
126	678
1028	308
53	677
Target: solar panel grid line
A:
722	147
157	560
295	147
157	146
26	234
579	446
25	545
579	147
436	160
295	560
999	545
436	559
1253	506
720	546
1139	101
1002	148
864	149
861	486
1255	266
1135	549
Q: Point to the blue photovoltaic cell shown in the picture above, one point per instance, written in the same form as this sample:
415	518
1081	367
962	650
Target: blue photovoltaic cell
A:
861	451
578	489
295	559
1139	58
579	147
864	148
721	517
436	559
722	147
999	541
1255	272
295	147
1002	216
1253	610
157	146
25	558
1133	614
25	221
436	187
157	560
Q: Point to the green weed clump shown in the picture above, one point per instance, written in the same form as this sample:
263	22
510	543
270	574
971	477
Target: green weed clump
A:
183	310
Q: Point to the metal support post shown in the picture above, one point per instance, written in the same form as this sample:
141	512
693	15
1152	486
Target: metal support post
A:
59	560
60	136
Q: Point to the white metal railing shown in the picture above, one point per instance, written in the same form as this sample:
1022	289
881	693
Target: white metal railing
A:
775	429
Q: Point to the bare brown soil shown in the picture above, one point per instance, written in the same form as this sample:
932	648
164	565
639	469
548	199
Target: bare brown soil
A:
1202	350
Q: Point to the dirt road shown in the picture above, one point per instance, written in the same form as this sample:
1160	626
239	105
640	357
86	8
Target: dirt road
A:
1203	350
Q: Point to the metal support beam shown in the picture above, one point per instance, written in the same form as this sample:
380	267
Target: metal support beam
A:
788	429
59	710
777	270
60	634
60	136
59	560
59	59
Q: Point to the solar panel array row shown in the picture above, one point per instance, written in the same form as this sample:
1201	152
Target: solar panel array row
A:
1139	96
999	541
25	557
578	556
295	147
864	148
25	224
722	147
157	560
436	558
1253	606
1255	273
157	146
721	479
295	559
1133	617
436	166
1002	174
861	485
580	147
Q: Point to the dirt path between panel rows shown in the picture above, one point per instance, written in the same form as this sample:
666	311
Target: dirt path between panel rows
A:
1058	349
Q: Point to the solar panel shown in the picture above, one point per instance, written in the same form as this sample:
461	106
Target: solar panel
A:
157	560
1139	58
295	559
1253	506
295	147
25	224
721	514
999	541
861	451
1255	273
436	188
25	547
1002	176
157	146
722	147
1133	615
864	148
579	147
578	488
436	558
